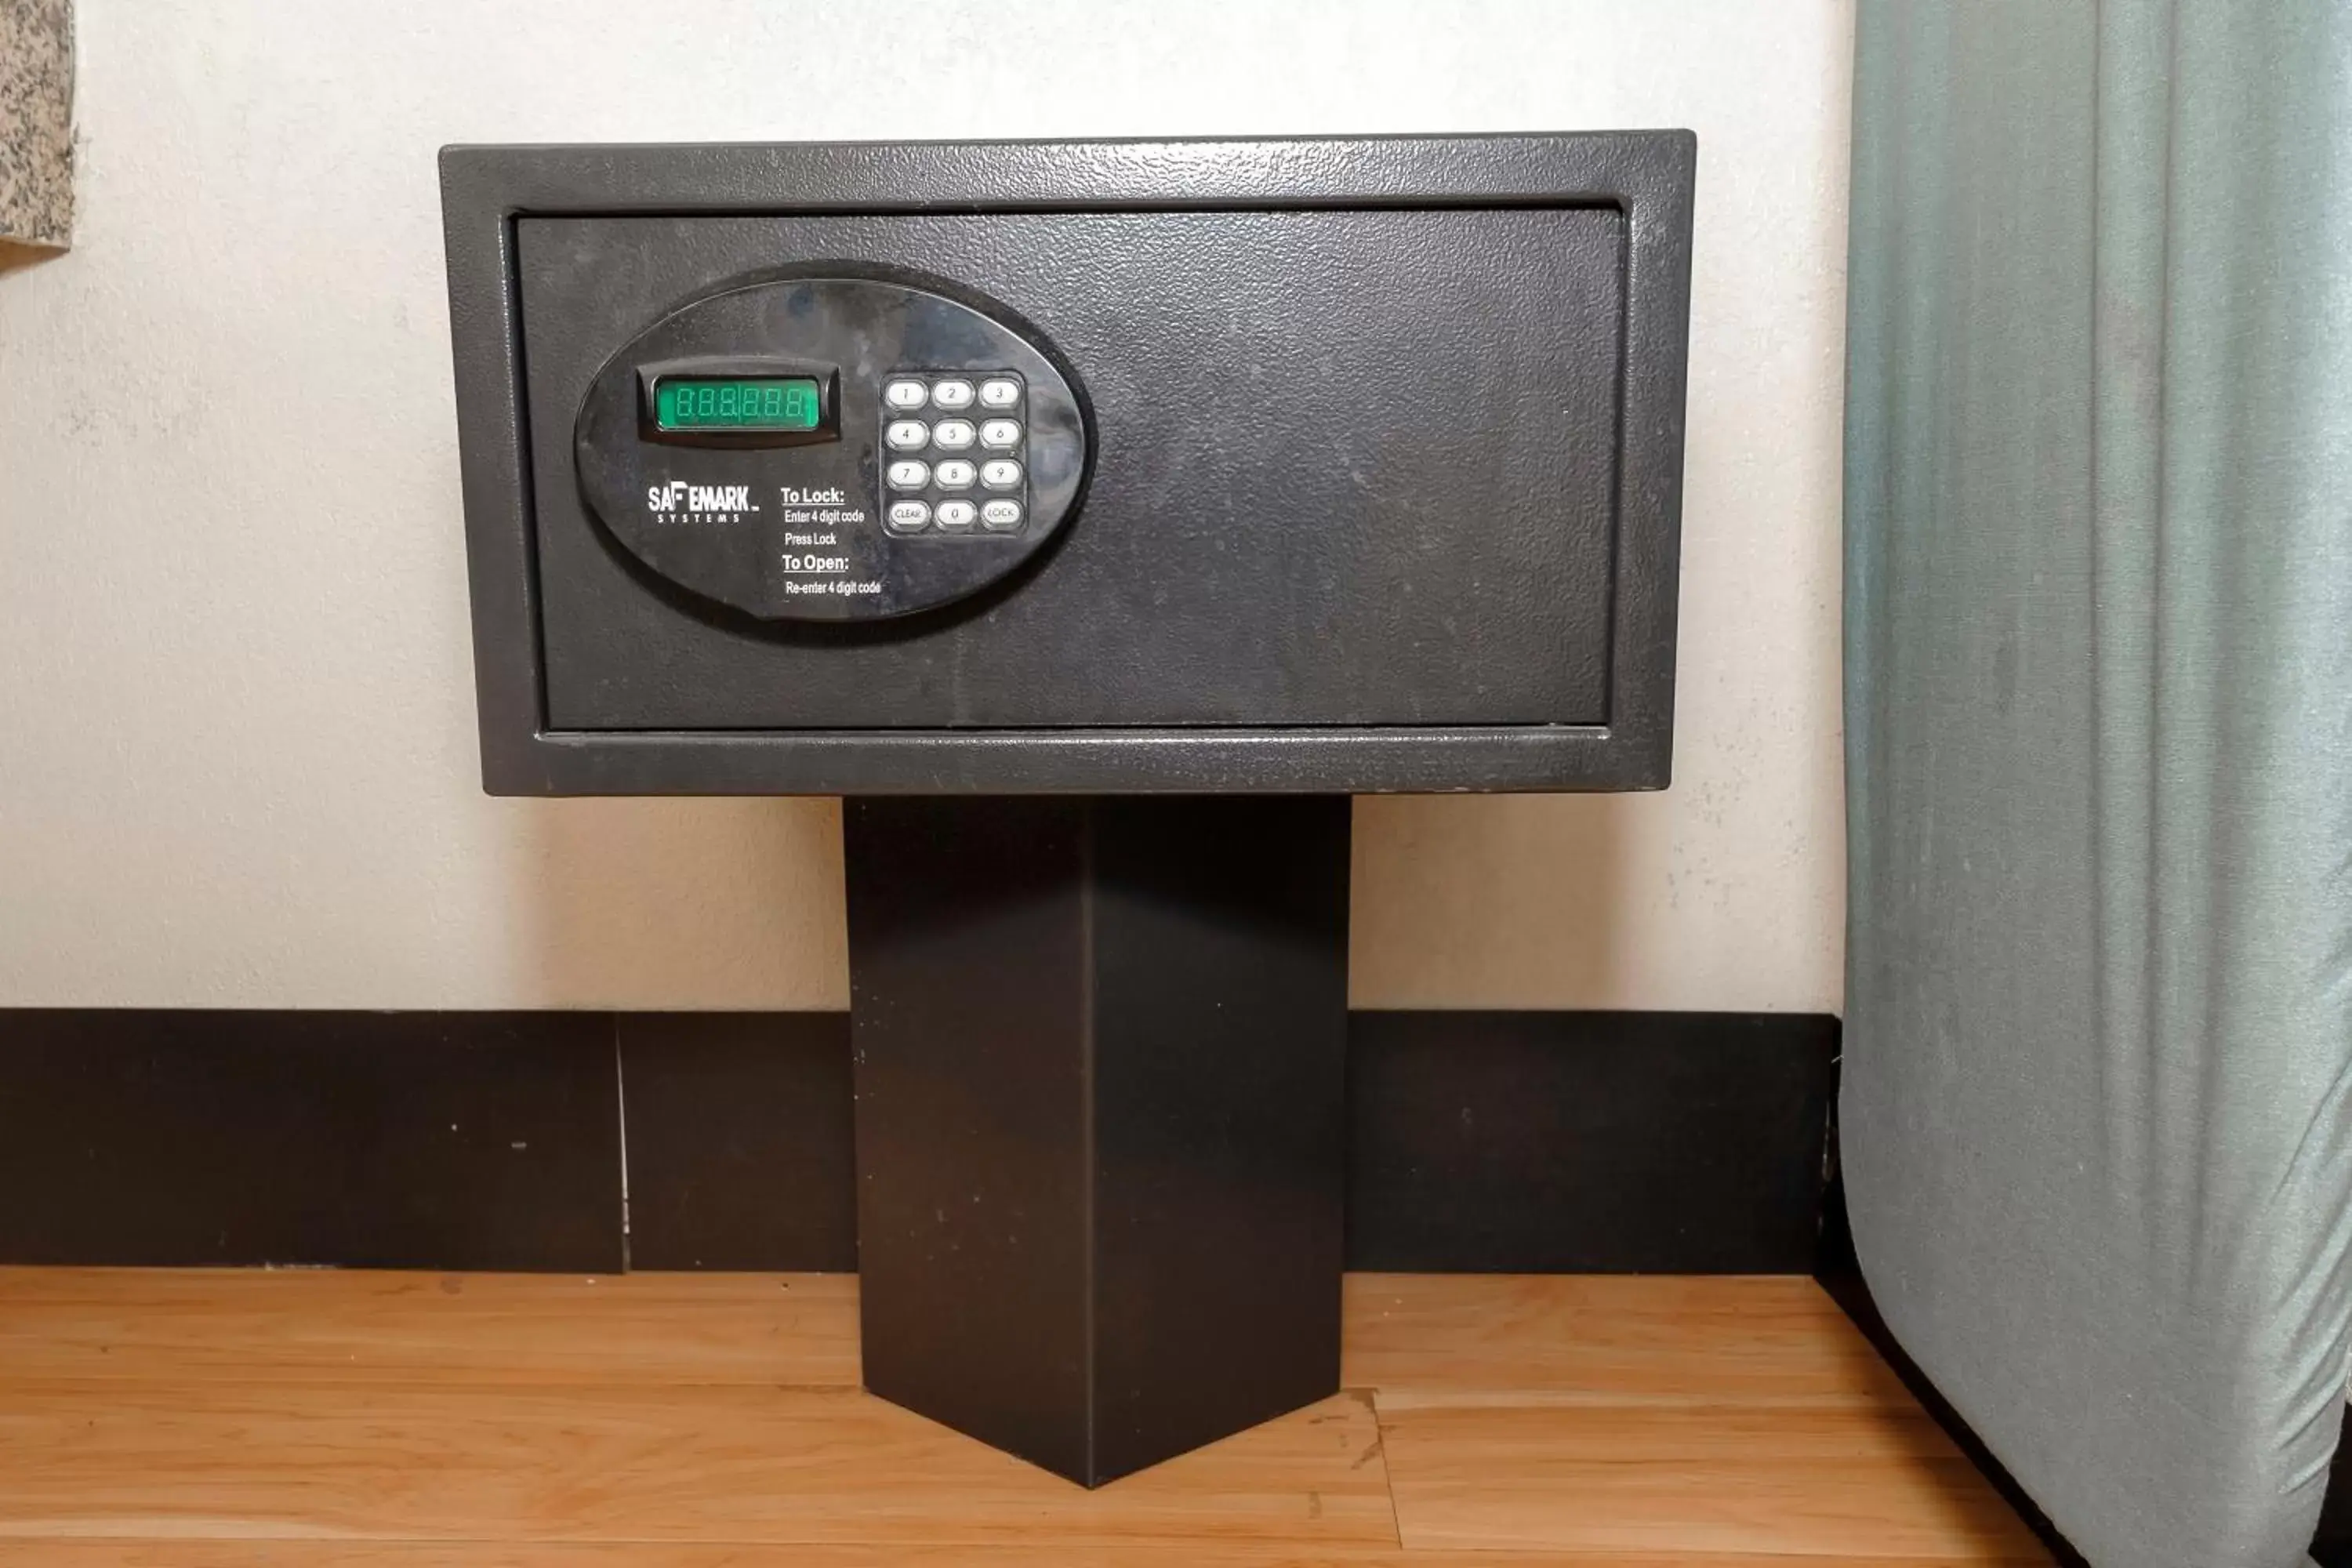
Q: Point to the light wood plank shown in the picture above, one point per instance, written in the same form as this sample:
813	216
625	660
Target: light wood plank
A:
1543	1339
1820	1482
607	1554
1521	1336
459	1329
548	1422
225	1461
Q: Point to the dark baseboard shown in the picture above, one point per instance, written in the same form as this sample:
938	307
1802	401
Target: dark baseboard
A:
739	1138
2332	1548
1587	1143
402	1140
1480	1142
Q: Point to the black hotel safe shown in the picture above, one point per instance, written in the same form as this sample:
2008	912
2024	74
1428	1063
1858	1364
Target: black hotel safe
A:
1098	517
1266	467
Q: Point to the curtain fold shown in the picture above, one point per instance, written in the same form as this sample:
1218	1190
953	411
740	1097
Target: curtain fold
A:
2097	1113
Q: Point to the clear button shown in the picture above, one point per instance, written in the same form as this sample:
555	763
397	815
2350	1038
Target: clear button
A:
1001	392
955	474
909	515
953	434
957	513
1002	434
951	393
905	395
907	474
1002	514
1001	474
908	435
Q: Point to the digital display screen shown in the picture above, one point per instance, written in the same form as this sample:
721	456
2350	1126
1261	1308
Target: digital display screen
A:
737	403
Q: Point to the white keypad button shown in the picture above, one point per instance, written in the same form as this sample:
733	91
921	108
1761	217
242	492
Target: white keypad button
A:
955	474
951	393
1001	433
910	435
1001	514
910	514
999	392
957	513
1001	474
907	474
906	395
952	434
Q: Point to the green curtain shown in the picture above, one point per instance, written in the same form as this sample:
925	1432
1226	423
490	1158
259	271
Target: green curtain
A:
2096	1119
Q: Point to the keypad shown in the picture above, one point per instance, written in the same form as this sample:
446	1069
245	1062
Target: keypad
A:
931	481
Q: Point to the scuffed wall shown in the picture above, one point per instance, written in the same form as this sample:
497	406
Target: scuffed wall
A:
237	739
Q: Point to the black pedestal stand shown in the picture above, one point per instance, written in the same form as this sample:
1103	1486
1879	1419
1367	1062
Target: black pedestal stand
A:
1100	1065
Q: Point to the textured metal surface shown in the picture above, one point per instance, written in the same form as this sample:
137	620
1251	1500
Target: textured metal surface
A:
1619	739
1100	1061
1353	466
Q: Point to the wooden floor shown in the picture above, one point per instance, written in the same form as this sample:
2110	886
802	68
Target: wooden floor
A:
319	1420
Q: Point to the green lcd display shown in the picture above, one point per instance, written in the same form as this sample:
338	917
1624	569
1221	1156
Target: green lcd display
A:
736	402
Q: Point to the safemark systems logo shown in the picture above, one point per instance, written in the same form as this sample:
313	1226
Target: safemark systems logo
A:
679	496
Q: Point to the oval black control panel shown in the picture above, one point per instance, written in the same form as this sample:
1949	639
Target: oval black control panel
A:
833	448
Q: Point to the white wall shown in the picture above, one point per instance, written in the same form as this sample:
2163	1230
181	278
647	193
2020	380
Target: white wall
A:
237	747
